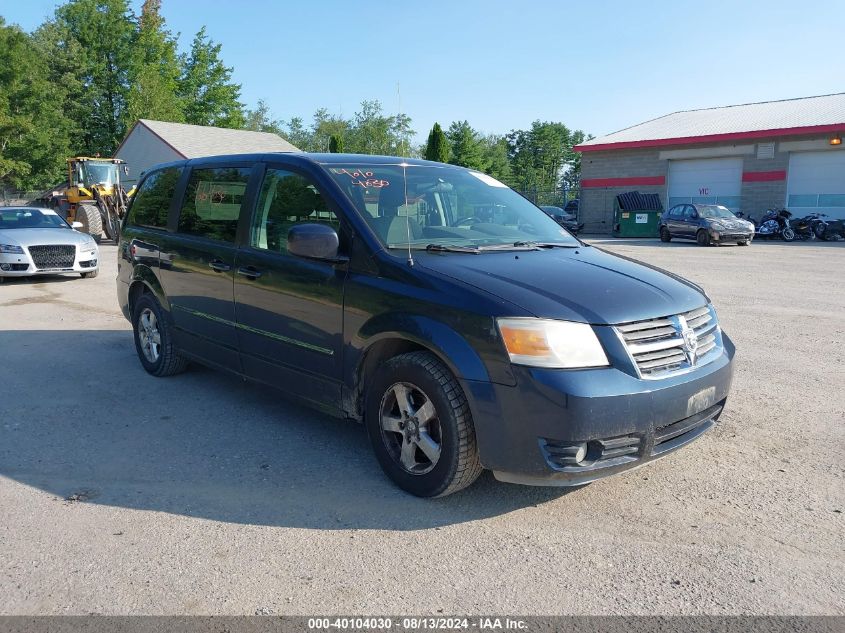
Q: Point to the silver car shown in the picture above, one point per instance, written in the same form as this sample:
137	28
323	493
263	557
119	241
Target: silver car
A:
39	242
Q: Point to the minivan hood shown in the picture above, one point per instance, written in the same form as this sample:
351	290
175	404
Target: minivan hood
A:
582	284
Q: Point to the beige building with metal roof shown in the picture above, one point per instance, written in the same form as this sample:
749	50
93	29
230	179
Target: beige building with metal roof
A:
149	143
748	157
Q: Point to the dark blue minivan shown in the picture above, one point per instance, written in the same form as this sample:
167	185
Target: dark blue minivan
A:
464	327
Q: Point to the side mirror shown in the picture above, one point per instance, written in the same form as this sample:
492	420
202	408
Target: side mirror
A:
77	225
314	241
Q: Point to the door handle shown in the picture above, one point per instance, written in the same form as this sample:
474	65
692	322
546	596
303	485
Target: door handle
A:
249	271
219	266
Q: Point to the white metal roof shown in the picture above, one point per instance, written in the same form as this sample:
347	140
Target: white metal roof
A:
786	115
194	141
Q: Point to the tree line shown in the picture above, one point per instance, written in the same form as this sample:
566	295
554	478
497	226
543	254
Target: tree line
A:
77	83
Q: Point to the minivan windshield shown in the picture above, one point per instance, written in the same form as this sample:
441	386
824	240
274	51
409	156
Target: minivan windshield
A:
714	211
444	207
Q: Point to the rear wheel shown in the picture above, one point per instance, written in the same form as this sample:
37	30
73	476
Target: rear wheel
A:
421	427
702	238
743	242
665	236
92	223
154	339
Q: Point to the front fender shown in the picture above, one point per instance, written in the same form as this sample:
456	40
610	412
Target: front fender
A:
452	348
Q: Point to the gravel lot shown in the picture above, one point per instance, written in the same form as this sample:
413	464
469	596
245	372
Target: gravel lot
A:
202	494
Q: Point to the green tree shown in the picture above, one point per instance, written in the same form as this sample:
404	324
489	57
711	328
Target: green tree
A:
437	147
542	156
496	158
34	132
325	125
295	132
336	144
210	96
99	35
467	149
373	132
261	120
154	72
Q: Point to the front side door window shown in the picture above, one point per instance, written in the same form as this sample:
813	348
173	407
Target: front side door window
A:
286	199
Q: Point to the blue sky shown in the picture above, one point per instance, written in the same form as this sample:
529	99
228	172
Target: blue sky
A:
598	66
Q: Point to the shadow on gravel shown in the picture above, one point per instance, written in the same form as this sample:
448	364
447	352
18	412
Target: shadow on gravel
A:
81	420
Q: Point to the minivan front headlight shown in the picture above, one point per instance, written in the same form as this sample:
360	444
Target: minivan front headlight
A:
549	343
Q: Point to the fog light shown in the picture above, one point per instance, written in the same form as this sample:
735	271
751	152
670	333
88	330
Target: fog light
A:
5	267
566	454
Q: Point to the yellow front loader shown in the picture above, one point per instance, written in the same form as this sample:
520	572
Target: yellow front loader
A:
93	195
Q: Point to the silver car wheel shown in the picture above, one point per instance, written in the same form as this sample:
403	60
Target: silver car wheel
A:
410	428
149	335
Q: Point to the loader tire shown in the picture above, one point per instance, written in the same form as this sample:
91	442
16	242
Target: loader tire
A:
92	222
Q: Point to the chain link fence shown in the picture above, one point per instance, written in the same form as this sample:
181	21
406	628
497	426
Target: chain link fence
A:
559	198
13	198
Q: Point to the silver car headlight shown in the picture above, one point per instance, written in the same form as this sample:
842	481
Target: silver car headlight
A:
12	249
549	343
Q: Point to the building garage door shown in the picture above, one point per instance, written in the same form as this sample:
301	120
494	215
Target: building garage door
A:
707	181
816	182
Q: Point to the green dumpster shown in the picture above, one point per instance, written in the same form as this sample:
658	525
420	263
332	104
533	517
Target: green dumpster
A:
636	214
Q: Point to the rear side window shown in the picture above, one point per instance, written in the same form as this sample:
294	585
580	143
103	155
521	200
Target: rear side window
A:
151	203
213	202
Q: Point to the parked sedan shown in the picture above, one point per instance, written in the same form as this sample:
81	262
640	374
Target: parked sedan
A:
564	218
39	242
707	224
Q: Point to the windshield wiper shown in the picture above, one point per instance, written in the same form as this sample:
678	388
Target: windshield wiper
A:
527	245
442	248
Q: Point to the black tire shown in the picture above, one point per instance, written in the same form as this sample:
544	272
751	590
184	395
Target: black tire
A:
109	226
167	361
458	464
702	238
91	274
742	243
665	236
787	235
92	222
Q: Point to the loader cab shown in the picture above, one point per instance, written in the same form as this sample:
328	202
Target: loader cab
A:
91	172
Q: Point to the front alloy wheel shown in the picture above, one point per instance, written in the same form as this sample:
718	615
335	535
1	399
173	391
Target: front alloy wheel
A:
410	428
420	425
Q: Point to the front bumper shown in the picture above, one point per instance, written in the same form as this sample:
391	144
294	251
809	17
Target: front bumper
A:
529	433
22	265
730	235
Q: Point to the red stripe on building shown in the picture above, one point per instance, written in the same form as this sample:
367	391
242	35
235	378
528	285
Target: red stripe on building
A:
710	138
763	176
623	182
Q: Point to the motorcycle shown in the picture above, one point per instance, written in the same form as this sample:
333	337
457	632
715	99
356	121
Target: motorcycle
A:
828	229
806	228
775	223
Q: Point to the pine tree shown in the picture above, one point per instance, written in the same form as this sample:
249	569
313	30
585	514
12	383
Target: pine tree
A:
437	148
154	74
467	148
336	144
210	97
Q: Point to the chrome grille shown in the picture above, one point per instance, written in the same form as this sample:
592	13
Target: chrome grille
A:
53	256
658	347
